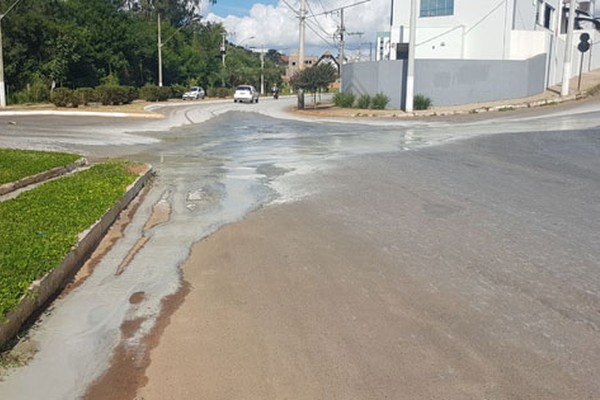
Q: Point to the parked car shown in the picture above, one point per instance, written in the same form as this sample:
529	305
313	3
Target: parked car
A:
195	93
246	93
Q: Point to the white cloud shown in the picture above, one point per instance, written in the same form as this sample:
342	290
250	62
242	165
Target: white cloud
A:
277	26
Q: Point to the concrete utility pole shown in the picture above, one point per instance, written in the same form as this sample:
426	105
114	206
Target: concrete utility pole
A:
342	43
2	85
410	78
302	34
160	80
223	50
564	90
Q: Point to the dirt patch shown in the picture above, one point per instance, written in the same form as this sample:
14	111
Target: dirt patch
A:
137	298
128	365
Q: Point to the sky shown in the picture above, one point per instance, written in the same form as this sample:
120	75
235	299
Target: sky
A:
274	24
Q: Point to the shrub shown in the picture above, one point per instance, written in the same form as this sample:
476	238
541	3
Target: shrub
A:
64	97
149	92
344	100
164	93
36	92
364	101
178	90
221	92
114	95
379	101
421	102
85	95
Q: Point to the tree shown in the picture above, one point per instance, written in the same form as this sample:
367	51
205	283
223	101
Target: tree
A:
314	79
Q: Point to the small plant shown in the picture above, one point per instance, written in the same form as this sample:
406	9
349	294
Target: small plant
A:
150	92
64	97
177	90
364	101
379	101
421	102
85	95
344	100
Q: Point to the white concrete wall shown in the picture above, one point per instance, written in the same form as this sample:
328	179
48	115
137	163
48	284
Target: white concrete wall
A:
478	29
527	44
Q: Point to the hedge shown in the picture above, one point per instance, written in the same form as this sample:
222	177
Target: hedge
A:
40	226
19	164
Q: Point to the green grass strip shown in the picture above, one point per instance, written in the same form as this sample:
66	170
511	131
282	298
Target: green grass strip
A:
39	227
18	164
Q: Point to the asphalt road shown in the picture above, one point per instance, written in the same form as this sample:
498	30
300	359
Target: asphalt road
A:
422	259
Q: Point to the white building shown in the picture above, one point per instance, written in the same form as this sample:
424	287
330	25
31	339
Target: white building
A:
480	29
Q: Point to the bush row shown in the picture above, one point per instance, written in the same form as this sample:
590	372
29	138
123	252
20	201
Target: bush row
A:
40	226
377	102
105	94
349	99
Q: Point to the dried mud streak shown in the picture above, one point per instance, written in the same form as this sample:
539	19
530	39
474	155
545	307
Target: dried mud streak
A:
115	233
128	365
132	253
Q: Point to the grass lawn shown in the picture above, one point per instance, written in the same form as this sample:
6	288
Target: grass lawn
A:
18	164
39	227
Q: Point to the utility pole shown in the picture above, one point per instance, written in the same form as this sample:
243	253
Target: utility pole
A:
342	30
564	90
223	50
160	76
2	85
410	78
262	70
302	34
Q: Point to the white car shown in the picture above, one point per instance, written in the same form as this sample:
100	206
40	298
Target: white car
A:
195	93
245	93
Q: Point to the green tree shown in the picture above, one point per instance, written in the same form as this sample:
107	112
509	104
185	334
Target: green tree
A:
314	79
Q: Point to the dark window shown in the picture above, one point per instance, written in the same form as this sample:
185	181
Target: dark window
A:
436	8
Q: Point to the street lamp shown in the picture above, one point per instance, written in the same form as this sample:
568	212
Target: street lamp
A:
2	86
161	44
262	69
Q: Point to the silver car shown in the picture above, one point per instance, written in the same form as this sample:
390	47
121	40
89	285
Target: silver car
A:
195	93
245	93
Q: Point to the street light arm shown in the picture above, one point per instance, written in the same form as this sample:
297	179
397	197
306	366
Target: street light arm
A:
178	29
9	9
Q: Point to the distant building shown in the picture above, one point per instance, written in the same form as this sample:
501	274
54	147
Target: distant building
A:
293	66
384	46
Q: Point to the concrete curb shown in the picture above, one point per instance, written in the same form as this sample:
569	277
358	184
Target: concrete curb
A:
42	176
43	289
80	114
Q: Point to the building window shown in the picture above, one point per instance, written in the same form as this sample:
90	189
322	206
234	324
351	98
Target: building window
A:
549	17
436	8
544	15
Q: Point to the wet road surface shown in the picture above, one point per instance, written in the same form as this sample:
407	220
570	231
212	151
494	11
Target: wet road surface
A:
524	206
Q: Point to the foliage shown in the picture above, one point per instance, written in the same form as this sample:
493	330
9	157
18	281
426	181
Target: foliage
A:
114	95
220	92
85	95
19	164
379	101
344	100
178	90
314	78
421	102
64	97
152	92
364	101
41	225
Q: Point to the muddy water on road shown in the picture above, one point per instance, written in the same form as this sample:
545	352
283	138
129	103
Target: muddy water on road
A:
209	175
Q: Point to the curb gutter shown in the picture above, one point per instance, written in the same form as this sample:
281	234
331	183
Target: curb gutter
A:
43	289
43	176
